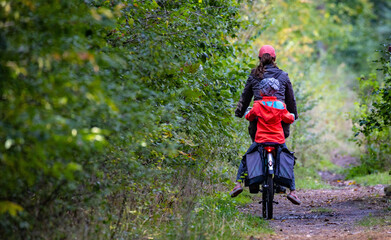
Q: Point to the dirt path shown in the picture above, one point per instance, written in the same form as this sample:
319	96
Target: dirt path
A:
330	214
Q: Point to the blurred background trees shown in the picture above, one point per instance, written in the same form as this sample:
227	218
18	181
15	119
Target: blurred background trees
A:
117	116
326	47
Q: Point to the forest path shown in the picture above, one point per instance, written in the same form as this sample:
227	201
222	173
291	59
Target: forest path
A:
330	214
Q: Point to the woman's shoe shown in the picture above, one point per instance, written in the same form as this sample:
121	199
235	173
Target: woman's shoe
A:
236	191
293	198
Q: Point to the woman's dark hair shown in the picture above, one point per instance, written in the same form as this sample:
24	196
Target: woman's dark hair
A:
266	59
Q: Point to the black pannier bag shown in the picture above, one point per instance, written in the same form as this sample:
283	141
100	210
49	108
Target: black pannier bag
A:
255	170
283	173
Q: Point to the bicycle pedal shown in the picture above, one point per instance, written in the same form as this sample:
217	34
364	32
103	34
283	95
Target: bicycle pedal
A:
275	202
279	189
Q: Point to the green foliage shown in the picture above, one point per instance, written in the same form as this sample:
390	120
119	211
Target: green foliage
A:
303	31
217	217
109	102
356	20
51	95
377	115
240	224
372	119
212	217
371	116
117	119
302	139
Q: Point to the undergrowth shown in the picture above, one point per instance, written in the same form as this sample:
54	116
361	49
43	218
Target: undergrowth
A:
208	217
190	205
217	217
373	179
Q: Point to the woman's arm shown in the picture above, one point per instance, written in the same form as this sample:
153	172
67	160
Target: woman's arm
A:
290	99
245	98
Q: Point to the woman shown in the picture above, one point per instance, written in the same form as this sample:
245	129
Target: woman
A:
267	68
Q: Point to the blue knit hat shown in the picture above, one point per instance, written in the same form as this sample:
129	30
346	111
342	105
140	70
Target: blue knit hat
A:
269	86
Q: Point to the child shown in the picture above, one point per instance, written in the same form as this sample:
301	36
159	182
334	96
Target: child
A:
270	112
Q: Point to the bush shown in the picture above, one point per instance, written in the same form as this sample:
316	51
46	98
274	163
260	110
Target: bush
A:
372	124
106	103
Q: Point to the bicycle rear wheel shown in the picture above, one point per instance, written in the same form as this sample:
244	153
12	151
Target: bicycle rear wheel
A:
267	198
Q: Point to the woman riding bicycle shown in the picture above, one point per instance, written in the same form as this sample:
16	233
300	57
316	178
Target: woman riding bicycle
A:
269	113
282	89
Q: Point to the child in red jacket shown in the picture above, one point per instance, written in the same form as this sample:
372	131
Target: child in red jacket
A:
270	112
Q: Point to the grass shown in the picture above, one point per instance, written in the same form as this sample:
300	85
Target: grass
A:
217	217
209	216
373	179
225	221
371	221
321	210
384	220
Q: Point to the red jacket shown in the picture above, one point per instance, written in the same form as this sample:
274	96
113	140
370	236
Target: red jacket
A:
270	113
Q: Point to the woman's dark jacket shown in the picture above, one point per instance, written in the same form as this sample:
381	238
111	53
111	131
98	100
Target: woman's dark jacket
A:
285	94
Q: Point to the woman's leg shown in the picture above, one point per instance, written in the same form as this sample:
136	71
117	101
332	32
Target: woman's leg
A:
241	168
240	173
239	176
292	195
293	184
238	189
